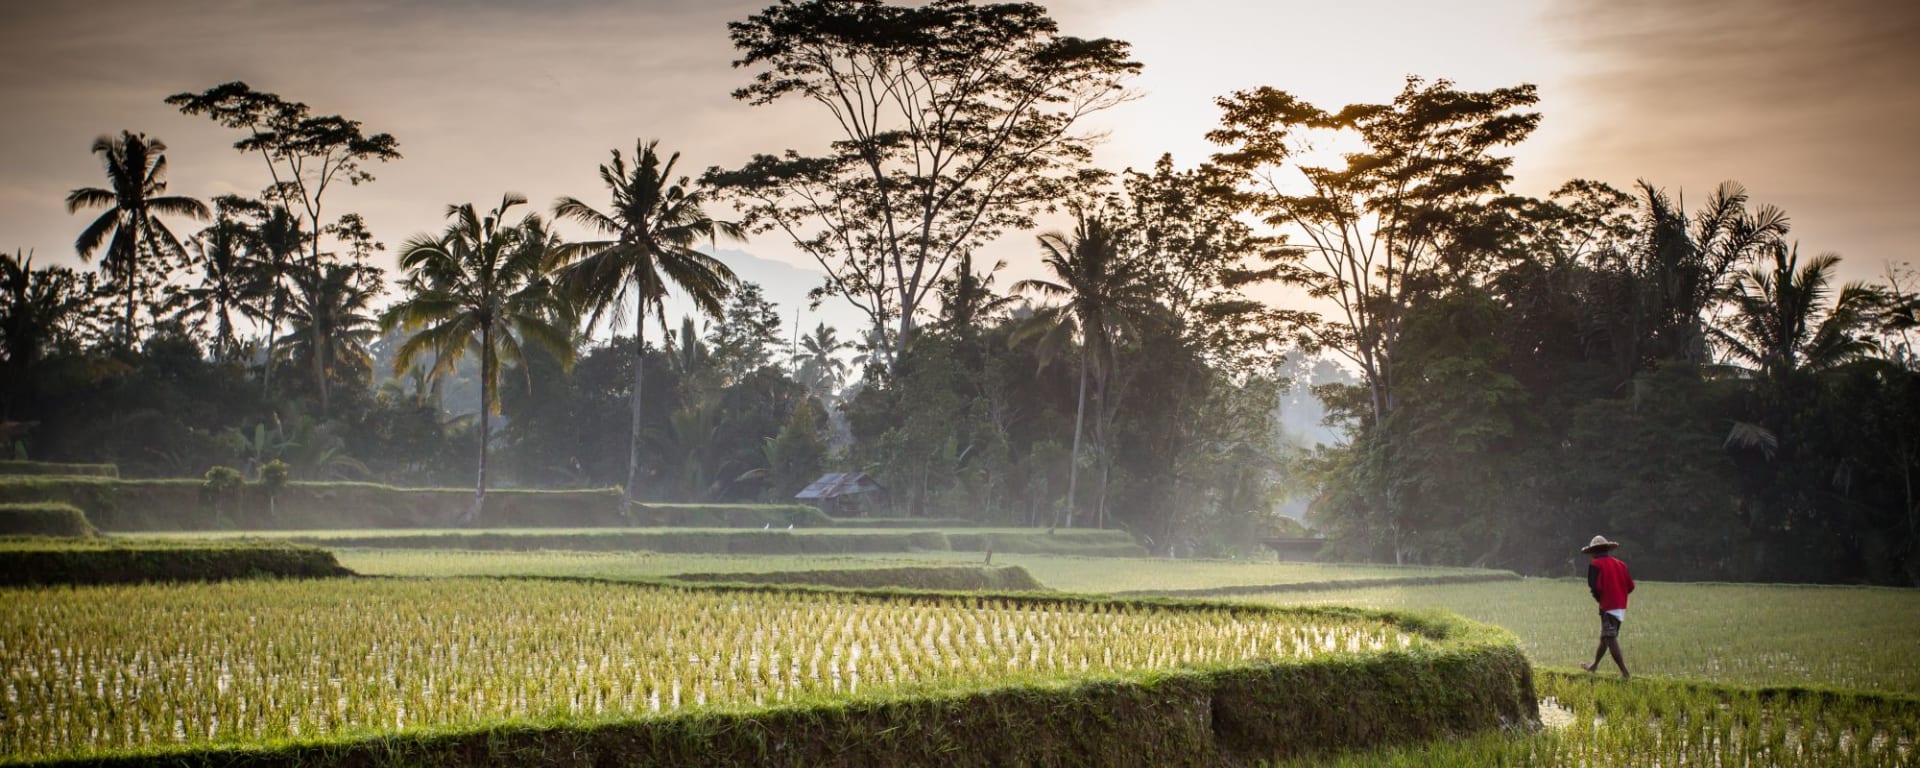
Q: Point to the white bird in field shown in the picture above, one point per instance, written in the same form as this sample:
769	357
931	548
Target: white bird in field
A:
767	527
789	526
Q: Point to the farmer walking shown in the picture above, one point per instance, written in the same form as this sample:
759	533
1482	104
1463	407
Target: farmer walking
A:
1608	580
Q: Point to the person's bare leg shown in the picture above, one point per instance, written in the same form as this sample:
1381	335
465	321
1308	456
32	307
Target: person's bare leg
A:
1598	654
1612	644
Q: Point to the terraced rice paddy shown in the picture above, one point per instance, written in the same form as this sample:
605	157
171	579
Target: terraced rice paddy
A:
1589	723
1858	638
1065	573
106	668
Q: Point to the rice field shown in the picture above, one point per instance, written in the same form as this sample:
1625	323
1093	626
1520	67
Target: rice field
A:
1588	723
99	669
1859	638
1061	572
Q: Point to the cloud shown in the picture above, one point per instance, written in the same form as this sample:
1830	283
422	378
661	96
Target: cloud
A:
1812	105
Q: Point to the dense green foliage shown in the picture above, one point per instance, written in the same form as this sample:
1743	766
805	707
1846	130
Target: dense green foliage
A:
724	541
43	518
1536	371
48	562
1521	372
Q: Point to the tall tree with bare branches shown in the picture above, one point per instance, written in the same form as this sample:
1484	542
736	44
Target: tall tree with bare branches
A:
958	122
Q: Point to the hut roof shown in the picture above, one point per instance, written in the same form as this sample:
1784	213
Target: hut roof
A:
834	485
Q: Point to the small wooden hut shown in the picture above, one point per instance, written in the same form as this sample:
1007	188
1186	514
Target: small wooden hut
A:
843	494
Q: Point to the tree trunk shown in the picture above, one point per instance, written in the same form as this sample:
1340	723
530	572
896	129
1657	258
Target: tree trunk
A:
133	290
226	335
1073	464
1106	469
486	402
318	334
273	338
628	494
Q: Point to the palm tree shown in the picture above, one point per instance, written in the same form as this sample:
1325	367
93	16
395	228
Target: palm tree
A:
330	305
1780	323
136	198
481	286
1670	273
651	229
818	364
1103	291
967	297
223	253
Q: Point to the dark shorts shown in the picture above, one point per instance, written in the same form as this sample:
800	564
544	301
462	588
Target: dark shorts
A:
1609	626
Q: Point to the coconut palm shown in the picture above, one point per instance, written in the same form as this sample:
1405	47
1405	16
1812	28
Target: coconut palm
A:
483	286
1677	264
1102	291
228	285
818	365
1781	323
330	305
967	298
136	198
271	268
649	232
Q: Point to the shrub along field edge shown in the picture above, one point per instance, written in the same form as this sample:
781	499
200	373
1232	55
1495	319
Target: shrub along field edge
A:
30	468
953	578
1474	680
188	504
752	542
44	518
47	562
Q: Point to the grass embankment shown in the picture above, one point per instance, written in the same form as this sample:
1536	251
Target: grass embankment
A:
187	504
718	541
47	561
1603	722
1062	572
947	578
504	672
55	468
44	518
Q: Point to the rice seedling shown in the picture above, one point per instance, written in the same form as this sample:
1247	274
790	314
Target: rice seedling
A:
1862	638
1603	723
94	669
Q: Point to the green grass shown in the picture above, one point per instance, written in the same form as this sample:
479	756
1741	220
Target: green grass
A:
1863	638
1590	722
45	561
1072	574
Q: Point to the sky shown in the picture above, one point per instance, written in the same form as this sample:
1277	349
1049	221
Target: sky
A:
1812	106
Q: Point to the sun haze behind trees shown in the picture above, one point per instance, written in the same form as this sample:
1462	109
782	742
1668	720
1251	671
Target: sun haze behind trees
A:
1673	371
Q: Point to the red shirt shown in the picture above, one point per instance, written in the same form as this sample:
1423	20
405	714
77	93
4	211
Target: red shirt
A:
1608	580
